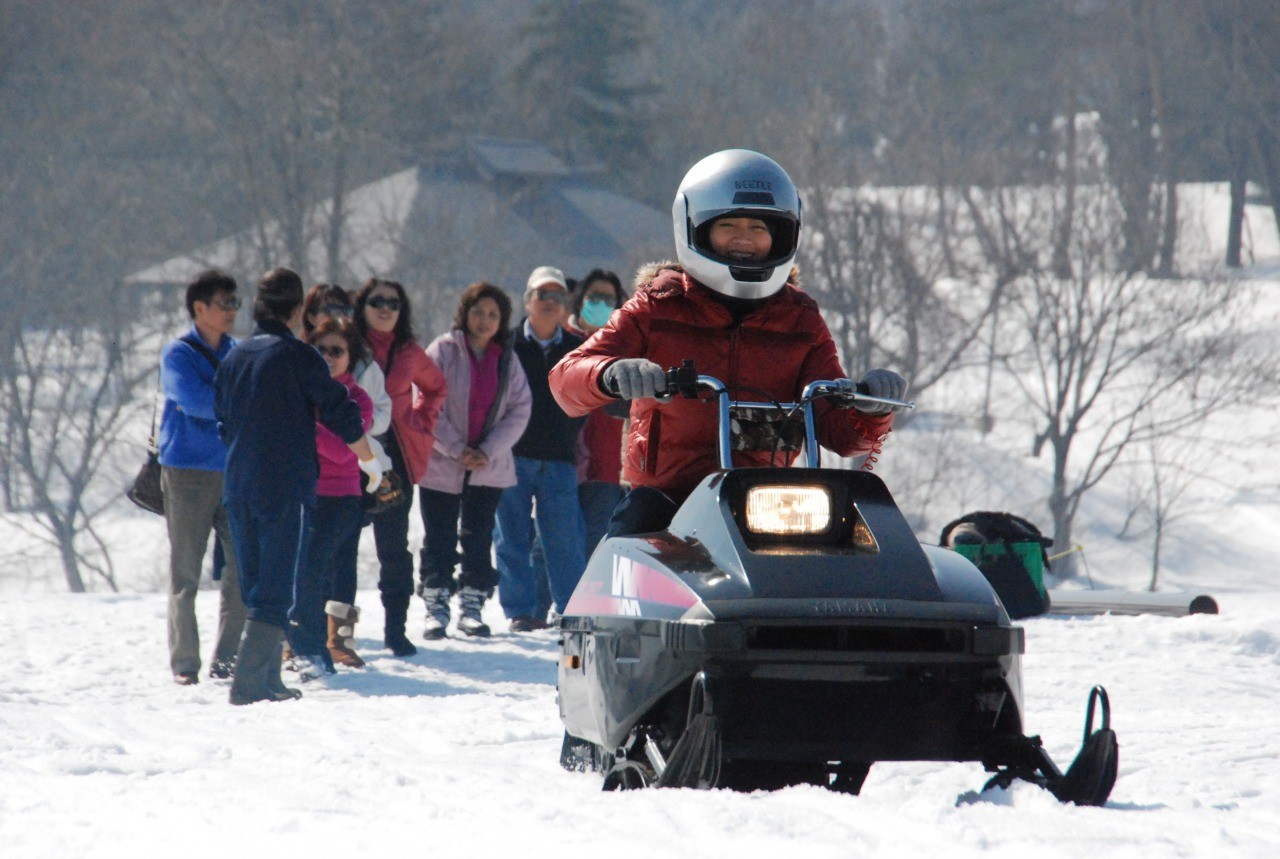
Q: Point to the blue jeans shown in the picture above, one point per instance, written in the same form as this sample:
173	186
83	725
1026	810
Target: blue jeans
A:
642	511
554	485
598	500
269	544
328	571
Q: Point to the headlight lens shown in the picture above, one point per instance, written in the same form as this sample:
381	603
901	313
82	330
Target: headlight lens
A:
788	509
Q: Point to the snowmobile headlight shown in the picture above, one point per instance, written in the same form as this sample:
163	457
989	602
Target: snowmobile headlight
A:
784	509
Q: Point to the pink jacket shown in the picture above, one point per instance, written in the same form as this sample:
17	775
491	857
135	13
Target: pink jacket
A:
339	472
417	391
507	419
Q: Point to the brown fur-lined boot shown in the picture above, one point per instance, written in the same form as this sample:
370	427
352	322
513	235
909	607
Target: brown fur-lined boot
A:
342	633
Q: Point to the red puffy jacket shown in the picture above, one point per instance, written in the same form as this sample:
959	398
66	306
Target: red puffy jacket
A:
777	350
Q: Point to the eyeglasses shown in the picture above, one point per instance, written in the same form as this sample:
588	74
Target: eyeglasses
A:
332	351
557	295
232	303
338	310
381	303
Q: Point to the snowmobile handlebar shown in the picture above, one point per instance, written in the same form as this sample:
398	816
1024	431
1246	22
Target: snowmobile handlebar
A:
684	381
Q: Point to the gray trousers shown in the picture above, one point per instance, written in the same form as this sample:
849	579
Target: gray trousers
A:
192	508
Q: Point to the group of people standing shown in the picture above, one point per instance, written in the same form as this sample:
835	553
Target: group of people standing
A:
513	434
469	420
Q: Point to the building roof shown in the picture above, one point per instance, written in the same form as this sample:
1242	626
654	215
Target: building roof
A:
493	211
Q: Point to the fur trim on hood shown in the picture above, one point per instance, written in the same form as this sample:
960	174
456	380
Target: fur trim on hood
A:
650	270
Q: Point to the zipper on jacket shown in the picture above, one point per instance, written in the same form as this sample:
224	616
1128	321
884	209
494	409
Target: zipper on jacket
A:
734	331
649	462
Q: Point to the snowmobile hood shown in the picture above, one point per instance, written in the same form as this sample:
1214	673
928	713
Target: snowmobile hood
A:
710	565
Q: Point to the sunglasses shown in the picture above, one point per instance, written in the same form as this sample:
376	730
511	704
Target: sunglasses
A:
557	295
337	310
232	303
332	351
381	303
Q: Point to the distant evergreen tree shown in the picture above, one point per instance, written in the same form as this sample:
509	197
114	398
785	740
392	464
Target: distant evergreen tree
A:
581	92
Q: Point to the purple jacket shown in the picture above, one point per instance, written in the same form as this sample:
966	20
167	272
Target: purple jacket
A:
505	424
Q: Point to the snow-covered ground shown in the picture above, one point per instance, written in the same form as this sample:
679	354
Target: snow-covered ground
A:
456	749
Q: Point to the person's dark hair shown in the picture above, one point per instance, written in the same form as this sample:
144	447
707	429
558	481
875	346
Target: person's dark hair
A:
317	297
473	294
580	289
403	332
206	285
347	330
279	294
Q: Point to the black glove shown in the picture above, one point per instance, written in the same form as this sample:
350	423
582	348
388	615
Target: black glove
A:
881	383
636	379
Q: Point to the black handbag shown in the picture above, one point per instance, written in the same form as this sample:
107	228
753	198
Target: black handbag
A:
388	496
146	490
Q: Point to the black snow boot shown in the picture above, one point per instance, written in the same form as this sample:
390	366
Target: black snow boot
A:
396	607
257	676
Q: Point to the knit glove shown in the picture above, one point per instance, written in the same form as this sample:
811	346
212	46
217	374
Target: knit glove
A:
881	383
636	379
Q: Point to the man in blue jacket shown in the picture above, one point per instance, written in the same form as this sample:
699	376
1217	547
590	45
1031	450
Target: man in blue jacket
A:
270	391
193	459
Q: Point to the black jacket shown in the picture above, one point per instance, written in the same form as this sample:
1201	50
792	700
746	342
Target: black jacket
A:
269	392
551	434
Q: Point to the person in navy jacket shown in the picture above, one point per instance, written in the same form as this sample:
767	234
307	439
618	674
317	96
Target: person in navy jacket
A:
270	392
192	459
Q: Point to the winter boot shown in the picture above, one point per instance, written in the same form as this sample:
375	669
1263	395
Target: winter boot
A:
397	610
223	669
257	675
276	683
471	601
310	668
342	633
437	600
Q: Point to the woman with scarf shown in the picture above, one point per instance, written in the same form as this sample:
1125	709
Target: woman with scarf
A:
417	390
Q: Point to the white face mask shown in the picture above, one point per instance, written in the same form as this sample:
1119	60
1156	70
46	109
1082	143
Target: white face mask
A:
596	313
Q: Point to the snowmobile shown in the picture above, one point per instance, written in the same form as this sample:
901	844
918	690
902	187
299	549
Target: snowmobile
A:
788	628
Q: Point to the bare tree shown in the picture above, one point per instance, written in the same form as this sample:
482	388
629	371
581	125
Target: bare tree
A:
73	220
882	289
1241	40
69	381
1115	359
1164	468
68	395
293	107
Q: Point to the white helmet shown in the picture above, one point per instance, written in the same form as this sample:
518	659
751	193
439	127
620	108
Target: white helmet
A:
737	183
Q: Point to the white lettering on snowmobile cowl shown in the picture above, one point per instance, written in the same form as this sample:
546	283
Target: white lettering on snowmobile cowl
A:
752	185
845	607
624	587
